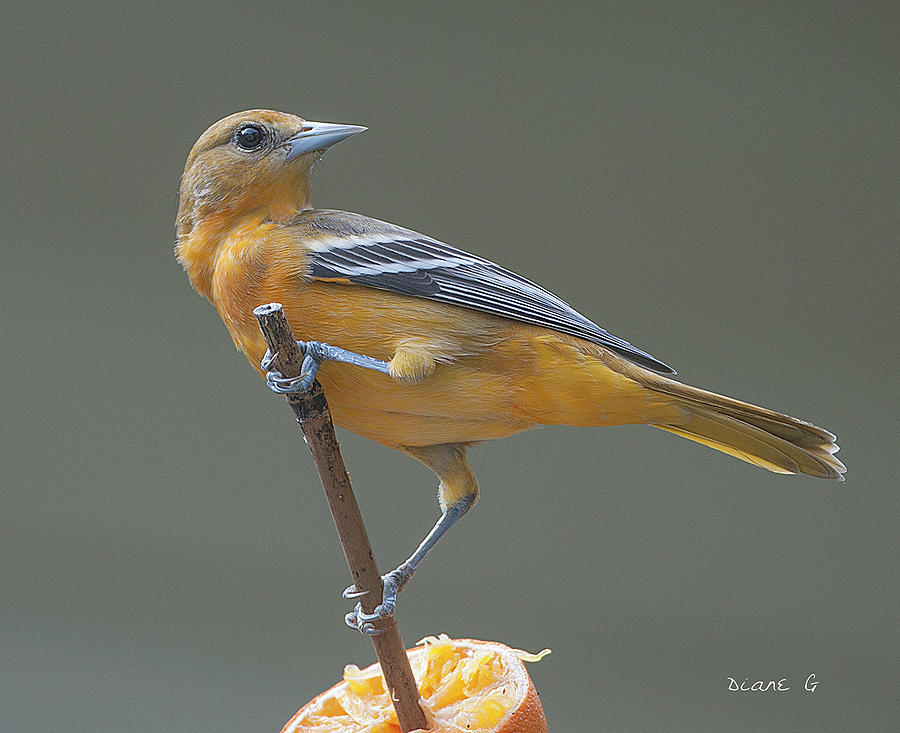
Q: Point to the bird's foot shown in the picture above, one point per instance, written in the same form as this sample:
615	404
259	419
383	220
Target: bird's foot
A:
314	353
394	582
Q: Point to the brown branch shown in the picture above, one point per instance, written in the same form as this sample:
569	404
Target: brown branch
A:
314	417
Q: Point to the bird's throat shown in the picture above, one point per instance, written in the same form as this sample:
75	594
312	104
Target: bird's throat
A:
213	227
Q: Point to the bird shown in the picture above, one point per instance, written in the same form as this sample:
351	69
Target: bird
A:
418	345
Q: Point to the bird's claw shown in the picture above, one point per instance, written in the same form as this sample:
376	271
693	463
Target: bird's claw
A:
350	593
363	627
280	384
363	622
313	355
267	360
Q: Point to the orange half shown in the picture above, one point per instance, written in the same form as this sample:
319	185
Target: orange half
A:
464	685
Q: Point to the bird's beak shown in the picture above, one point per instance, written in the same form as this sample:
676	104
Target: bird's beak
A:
319	136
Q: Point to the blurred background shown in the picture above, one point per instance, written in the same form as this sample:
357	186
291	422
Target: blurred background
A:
715	183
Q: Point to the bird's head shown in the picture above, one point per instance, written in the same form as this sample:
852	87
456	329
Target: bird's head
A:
254	162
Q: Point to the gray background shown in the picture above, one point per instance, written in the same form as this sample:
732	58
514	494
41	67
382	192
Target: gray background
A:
717	185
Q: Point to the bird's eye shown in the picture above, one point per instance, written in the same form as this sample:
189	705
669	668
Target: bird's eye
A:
249	137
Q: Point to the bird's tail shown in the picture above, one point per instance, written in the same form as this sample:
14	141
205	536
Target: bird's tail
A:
765	438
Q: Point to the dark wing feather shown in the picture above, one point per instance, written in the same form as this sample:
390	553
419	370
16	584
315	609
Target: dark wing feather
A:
374	253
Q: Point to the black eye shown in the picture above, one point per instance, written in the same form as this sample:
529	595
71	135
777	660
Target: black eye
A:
249	137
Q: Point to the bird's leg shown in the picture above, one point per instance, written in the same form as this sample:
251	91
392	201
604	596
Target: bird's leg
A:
395	580
314	353
458	492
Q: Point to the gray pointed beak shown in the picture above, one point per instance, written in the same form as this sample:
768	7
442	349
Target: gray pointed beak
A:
319	136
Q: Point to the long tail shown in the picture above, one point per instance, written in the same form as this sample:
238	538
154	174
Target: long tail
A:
754	434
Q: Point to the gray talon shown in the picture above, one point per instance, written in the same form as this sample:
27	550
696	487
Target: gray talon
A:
268	360
350	593
280	384
356	620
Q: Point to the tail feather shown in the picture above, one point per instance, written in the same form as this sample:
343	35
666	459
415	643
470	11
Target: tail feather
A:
754	434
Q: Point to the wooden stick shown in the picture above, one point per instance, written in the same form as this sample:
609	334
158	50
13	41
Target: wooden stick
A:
314	417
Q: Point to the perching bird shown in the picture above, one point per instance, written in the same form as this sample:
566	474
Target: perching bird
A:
452	348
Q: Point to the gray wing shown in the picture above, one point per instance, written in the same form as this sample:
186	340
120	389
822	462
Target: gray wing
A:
365	251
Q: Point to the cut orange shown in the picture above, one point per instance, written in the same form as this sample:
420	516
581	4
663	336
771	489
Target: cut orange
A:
464	685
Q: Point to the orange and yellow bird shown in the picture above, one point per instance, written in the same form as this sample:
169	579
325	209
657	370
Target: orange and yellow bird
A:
431	349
